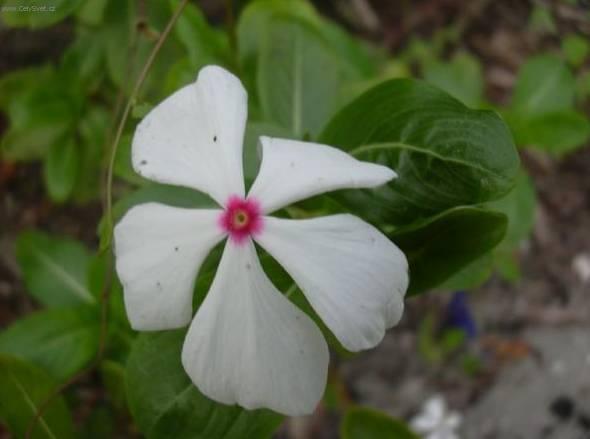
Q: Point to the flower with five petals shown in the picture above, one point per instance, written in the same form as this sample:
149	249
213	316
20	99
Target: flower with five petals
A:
436	421
247	343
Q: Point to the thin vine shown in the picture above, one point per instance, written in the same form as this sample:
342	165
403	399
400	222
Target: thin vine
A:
108	208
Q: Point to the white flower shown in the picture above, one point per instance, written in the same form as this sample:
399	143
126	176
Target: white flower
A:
248	344
581	266
435	421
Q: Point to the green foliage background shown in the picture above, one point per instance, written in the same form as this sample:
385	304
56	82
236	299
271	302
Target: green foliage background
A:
459	209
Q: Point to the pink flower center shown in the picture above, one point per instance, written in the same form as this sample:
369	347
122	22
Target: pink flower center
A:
241	218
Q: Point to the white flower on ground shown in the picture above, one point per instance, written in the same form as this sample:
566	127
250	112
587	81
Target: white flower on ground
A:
581	266
248	344
435	421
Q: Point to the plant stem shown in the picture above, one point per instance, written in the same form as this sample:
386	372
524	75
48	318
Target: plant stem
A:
125	116
104	297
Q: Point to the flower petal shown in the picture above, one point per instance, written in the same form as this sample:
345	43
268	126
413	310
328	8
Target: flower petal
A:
435	407
194	137
159	250
424	423
353	276
453	420
249	345
291	171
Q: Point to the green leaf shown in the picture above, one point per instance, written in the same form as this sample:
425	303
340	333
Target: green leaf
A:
461	77
541	19
576	49
35	14
123	165
583	86
61	169
82	66
54	269
445	154
298	77
141	110
253	22
557	132
113	377
204	44
165	403
93	128
519	206
24	388
356	59
180	73
16	84
506	264
439	247
253	132
365	423
117	33
542	110
472	275
38	117
99	424
61	341
92	12
544	84
451	340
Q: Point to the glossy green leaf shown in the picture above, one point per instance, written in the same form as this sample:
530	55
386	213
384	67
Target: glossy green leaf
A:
35	14
165	403
60	341
298	77
439	247
54	269
544	84
461	77
24	388
61	169
445	154
365	423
